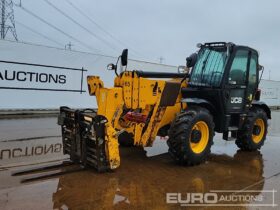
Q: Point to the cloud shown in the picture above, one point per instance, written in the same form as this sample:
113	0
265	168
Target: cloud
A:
165	28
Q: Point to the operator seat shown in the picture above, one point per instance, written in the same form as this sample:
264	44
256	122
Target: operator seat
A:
237	75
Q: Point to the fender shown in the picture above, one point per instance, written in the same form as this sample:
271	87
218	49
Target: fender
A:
200	102
263	106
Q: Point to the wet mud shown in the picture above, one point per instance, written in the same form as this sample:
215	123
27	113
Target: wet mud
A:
143	180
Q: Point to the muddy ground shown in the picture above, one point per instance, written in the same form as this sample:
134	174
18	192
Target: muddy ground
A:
142	181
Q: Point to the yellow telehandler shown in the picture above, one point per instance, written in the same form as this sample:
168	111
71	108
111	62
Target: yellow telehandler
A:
220	94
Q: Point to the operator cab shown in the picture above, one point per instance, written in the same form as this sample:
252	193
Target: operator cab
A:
225	79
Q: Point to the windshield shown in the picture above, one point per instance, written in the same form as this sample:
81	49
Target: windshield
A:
209	68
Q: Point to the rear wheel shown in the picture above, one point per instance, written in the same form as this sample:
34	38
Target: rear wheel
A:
191	136
253	133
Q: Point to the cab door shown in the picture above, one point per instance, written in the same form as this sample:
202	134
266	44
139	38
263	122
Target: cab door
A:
236	83
253	77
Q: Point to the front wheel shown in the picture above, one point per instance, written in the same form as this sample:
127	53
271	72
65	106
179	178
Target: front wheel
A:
191	136
253	134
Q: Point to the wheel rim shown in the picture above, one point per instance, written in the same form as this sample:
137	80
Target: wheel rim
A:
258	137
202	143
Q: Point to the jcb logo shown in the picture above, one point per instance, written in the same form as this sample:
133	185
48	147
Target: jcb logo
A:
236	100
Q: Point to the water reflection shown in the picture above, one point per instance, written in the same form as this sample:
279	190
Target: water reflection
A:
142	183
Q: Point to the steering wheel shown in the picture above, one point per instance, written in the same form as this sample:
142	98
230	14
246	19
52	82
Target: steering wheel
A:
213	73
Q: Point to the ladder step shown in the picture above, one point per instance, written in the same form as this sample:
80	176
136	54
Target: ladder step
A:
233	128
67	130
92	162
91	150
91	156
91	138
231	139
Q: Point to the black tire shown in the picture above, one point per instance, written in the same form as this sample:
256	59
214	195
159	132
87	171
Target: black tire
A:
126	140
180	133
245	136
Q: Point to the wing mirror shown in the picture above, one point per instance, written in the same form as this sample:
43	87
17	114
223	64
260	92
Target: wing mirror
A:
124	57
183	69
260	67
191	60
111	66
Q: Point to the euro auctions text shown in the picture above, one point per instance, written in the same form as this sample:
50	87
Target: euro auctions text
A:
224	198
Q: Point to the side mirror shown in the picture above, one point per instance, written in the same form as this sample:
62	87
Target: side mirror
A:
260	67
111	66
183	69
191	60
124	57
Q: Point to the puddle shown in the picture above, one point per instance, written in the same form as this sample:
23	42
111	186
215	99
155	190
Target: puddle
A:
141	182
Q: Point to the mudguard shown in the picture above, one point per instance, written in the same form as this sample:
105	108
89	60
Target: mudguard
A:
201	102
263	106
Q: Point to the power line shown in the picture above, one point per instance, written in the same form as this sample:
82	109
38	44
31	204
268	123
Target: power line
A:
56	28
100	27
97	25
77	23
38	33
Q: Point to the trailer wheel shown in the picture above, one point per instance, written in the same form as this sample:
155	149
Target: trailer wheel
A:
191	136
253	134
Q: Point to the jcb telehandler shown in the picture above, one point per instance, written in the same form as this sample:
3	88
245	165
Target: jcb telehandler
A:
220	94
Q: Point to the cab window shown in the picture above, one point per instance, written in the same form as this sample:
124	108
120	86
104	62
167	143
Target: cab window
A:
238	70
252	83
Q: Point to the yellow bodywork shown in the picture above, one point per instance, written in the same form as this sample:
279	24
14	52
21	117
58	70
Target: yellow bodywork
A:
136	94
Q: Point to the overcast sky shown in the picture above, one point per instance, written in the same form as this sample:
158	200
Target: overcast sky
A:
160	28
